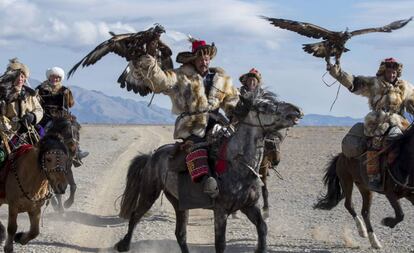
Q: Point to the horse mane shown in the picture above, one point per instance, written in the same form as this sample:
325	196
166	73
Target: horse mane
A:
262	99
49	142
63	124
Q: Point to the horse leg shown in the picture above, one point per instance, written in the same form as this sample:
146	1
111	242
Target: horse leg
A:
265	193
220	223
366	206
24	238
399	214
254	215
348	186
146	200
11	229
68	203
56	202
181	221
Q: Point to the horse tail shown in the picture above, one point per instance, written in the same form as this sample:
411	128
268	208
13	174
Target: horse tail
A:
130	197
334	194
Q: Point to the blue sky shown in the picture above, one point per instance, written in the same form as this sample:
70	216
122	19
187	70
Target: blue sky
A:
46	33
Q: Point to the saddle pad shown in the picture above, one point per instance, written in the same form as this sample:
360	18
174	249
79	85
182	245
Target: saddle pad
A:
4	172
191	194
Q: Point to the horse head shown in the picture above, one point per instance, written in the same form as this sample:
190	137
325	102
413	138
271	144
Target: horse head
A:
53	159
68	128
263	109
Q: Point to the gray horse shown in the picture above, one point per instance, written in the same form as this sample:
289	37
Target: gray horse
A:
239	186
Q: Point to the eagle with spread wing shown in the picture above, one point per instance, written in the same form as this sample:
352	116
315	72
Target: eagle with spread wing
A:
334	42
131	46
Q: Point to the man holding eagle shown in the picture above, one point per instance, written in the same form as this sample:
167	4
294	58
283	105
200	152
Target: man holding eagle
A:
389	97
196	90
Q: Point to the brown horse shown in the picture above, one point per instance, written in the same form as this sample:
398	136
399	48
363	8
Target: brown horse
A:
343	172
271	158
32	173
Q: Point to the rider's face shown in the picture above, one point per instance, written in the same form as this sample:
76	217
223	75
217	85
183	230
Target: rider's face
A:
252	83
20	80
390	75
54	79
202	63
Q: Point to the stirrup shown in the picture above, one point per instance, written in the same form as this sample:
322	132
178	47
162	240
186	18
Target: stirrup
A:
76	162
82	154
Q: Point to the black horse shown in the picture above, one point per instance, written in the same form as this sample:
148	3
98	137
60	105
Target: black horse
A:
68	128
239	186
343	172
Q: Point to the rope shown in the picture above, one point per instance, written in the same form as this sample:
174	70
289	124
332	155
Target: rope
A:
330	85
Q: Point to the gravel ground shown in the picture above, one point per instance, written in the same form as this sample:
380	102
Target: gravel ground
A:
92	225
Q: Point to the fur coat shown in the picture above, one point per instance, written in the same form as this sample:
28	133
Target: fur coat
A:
185	87
47	89
387	101
27	102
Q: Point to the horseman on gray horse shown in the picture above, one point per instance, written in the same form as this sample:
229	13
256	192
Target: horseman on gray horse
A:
195	90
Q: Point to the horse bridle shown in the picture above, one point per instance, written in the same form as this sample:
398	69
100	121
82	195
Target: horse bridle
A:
43	170
261	125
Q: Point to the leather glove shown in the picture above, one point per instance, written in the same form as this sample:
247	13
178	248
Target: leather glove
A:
28	119
219	130
335	70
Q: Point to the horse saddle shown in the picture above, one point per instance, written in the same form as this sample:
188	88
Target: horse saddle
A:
388	162
190	194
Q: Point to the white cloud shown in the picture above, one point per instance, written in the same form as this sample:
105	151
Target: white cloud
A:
83	23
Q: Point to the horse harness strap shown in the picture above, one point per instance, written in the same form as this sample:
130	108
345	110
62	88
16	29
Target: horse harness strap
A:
404	186
49	194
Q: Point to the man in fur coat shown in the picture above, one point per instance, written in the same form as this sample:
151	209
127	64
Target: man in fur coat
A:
195	90
388	98
56	99
24	110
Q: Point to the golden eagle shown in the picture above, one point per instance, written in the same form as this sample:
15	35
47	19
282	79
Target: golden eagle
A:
334	42
7	91
131	46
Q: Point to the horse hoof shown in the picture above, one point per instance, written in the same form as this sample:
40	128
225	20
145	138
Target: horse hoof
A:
265	214
374	241
18	237
68	203
8	249
389	222
260	251
121	246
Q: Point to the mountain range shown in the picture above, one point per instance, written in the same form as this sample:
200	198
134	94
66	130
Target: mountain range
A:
96	107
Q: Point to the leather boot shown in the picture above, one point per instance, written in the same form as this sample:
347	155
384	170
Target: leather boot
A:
373	169
210	186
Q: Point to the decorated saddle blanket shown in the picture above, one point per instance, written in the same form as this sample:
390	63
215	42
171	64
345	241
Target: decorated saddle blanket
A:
190	194
4	171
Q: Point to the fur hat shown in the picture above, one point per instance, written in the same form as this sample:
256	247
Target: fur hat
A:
390	63
14	64
252	73
199	47
55	71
